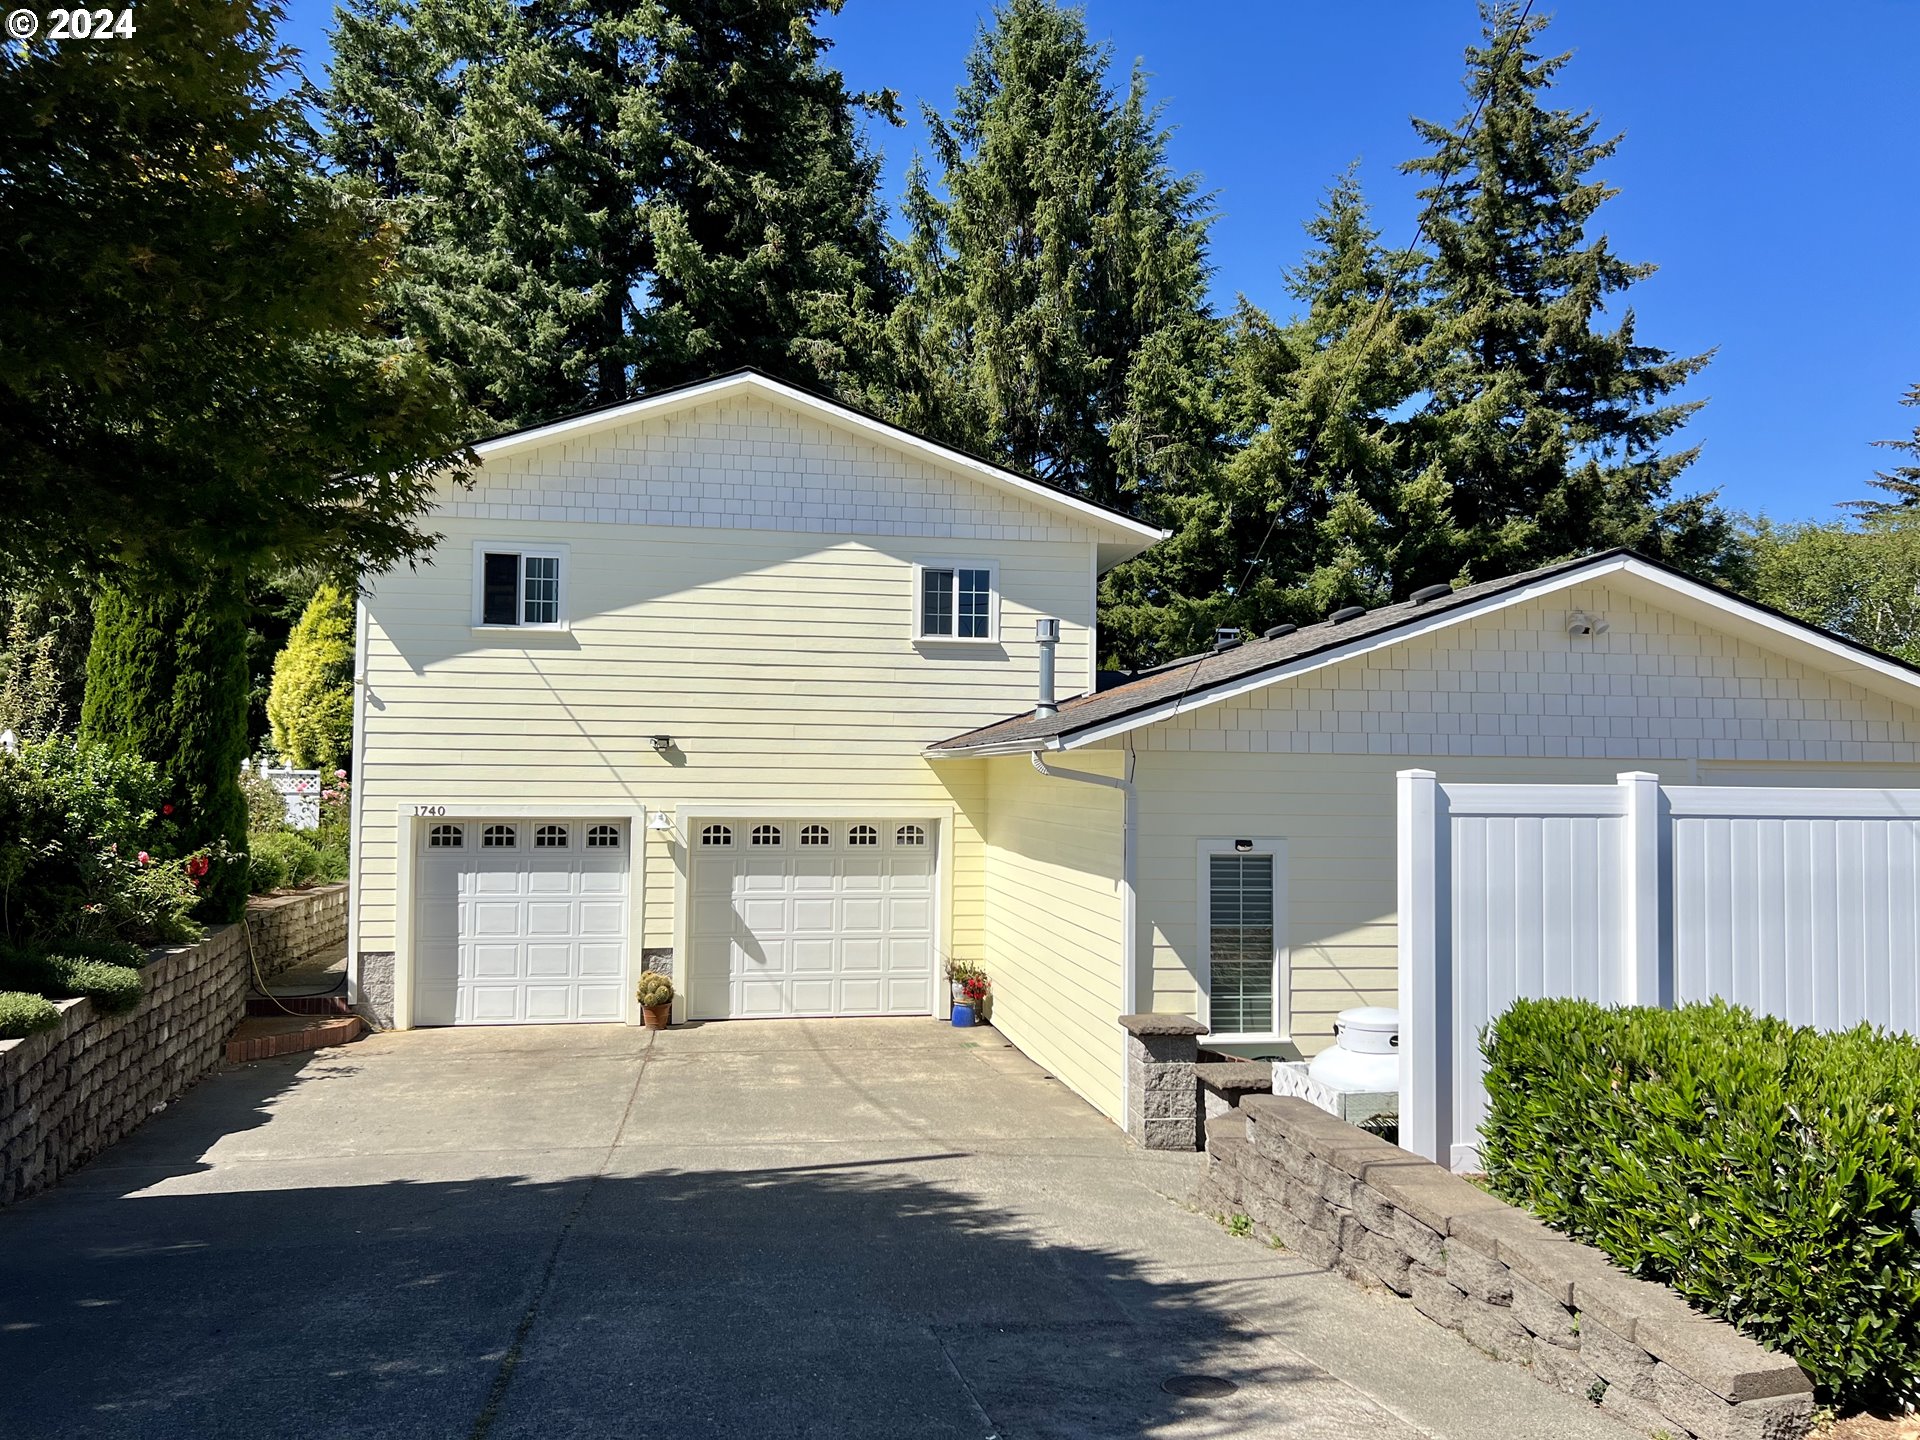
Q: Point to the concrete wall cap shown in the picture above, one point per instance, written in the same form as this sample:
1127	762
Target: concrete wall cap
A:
1161	1025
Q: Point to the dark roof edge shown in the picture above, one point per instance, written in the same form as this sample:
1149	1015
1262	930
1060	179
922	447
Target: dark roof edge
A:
1492	590
826	399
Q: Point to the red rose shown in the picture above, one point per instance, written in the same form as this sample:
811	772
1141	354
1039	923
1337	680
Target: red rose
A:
198	866
166	809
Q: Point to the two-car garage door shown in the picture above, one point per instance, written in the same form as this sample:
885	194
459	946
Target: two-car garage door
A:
525	921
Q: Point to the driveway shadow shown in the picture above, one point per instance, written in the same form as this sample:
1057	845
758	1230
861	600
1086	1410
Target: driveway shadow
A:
856	1300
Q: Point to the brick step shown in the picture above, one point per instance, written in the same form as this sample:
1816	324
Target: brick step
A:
262	1037
298	1004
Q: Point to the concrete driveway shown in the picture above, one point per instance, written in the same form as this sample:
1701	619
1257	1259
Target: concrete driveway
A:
849	1228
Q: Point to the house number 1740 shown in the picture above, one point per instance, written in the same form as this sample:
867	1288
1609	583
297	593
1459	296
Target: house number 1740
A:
429	809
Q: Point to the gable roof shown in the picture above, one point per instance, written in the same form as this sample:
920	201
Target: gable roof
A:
1202	680
1122	535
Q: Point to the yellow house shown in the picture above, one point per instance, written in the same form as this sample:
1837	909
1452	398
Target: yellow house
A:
719	682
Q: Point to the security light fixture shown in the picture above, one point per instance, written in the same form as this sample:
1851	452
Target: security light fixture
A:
1242	847
1579	622
659	820
662	744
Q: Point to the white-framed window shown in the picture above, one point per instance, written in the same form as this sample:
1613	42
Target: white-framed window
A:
910	835
815	835
549	837
499	837
863	835
716	835
520	587
446	837
1242	924
765	835
956	600
603	837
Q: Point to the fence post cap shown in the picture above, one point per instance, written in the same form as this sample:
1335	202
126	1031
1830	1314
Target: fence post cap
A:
1641	775
1417	774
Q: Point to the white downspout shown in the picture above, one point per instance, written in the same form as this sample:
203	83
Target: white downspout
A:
1129	888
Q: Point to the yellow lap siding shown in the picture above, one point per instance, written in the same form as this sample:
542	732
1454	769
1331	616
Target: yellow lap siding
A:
1052	933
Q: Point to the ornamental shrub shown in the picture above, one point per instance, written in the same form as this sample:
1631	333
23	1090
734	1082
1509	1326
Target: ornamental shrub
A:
310	705
75	821
114	989
1769	1173
167	680
23	1015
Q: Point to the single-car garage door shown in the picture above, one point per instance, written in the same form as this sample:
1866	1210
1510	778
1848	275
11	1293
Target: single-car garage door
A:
521	922
798	916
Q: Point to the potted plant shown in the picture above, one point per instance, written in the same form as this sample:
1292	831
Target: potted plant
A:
656	999
970	1004
958	973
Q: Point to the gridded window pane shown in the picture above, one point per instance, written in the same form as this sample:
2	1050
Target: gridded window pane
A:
499	584
542	589
976	597
766	834
909	835
549	837
863	835
603	837
716	835
1241	955
936	602
499	837
815	835
446	837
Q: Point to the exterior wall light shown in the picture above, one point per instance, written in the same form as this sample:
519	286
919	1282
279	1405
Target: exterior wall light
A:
662	744
1242	847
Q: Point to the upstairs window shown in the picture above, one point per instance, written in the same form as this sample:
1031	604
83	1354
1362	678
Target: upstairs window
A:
523	587
957	600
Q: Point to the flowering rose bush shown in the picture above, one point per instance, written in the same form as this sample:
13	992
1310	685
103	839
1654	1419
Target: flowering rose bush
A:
77	828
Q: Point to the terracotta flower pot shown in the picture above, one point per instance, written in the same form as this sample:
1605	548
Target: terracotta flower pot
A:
658	1017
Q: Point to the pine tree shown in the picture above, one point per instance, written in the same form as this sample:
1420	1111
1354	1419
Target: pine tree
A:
1903	481
605	196
167	680
1056	319
311	703
1546	424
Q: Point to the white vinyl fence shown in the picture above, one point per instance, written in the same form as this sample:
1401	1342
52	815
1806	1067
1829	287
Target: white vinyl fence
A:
299	792
1799	903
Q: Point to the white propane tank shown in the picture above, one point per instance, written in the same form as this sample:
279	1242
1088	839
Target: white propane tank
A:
1365	1054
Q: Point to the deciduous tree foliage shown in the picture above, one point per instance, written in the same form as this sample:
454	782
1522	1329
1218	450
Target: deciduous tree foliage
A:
607	196
167	680
188	373
311	703
1861	581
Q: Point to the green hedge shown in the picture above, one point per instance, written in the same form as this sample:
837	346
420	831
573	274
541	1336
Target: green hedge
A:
23	1015
1770	1174
114	989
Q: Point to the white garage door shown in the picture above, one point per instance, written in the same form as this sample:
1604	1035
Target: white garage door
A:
812	917
521	922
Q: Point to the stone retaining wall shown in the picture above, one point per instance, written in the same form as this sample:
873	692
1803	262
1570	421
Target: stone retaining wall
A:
289	928
68	1093
1351	1202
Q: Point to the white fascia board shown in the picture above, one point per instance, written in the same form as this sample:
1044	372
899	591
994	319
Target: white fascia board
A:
988	752
1855	665
711	390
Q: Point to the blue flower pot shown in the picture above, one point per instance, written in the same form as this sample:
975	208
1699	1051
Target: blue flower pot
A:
962	1016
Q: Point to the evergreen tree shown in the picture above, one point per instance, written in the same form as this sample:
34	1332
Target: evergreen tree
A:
311	704
44	634
1546	423
1056	319
167	681
605	196
1903	481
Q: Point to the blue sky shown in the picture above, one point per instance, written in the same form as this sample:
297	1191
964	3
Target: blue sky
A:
1769	169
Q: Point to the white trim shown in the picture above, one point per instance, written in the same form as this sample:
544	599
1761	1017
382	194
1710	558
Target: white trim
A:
545	550
1856	666
956	564
687	818
407	849
1275	848
356	869
727	385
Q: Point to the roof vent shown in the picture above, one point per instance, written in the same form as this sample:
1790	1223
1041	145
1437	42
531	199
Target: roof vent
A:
1226	632
1430	592
1229	640
1350	612
1277	631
